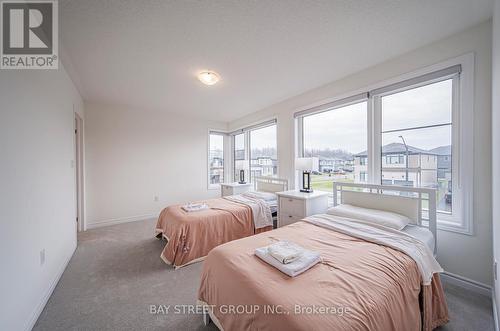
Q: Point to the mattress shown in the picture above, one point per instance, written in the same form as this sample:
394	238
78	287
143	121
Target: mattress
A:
421	233
273	204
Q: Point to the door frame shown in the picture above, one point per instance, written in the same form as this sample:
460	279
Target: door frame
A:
79	173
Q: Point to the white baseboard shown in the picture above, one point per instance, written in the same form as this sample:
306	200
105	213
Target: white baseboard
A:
495	312
38	310
467	283
114	221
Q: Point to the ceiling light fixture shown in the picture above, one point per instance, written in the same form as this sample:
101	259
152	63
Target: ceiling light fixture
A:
208	77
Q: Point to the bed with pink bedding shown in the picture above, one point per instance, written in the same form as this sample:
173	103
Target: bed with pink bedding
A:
358	285
191	235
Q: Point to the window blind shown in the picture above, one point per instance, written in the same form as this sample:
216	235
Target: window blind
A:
254	127
440	74
220	133
332	105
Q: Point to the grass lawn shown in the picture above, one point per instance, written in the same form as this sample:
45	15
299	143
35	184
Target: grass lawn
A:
325	182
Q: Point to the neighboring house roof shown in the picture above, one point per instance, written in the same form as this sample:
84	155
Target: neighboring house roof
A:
442	150
397	148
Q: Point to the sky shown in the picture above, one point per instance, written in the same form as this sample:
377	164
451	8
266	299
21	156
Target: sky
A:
343	128
216	142
346	128
265	137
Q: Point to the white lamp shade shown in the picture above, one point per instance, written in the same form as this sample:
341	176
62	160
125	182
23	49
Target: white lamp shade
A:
307	163
208	77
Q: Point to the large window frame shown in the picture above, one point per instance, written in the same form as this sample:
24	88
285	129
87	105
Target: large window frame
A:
224	135
246	132
461	71
334	106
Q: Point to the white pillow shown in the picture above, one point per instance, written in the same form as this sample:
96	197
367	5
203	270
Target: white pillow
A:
266	196
385	218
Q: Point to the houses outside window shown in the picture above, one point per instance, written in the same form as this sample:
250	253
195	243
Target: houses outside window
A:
255	151
416	133
263	152
363	176
336	136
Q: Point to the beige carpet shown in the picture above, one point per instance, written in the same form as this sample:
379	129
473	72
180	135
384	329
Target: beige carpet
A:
116	274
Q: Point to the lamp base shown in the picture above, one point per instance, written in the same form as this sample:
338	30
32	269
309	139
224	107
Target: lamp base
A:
242	182
307	190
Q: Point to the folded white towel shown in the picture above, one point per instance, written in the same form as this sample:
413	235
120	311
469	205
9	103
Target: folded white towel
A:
285	251
191	207
292	269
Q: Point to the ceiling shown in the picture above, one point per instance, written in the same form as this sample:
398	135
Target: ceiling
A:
146	54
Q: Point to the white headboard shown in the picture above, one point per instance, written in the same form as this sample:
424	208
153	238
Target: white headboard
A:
270	184
406	206
412	202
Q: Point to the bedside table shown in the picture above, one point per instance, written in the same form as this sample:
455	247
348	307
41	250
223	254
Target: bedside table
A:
234	188
295	205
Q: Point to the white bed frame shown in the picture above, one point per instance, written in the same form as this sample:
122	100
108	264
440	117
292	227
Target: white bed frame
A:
270	184
397	199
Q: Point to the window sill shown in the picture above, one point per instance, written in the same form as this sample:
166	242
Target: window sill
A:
213	187
449	226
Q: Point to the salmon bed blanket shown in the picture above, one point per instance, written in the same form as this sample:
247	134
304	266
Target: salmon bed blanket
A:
359	285
191	235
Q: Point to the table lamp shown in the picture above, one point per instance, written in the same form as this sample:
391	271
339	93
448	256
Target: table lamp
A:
306	165
242	177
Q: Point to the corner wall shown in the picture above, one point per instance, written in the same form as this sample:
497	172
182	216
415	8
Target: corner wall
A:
495	148
37	190
133	155
467	256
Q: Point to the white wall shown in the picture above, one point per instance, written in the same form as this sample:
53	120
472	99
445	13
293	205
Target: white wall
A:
496	143
133	155
467	256
37	189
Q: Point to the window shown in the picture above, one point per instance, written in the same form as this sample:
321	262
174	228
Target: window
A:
338	137
255	151
394	159
240	156
215	160
263	152
417	139
414	132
